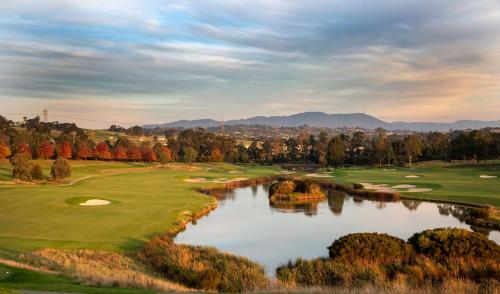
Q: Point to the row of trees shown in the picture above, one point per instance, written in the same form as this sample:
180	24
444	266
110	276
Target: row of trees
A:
200	145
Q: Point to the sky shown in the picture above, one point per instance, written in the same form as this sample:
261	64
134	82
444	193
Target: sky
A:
148	61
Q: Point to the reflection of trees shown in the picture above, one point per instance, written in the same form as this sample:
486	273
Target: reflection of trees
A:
411	204
381	204
254	190
309	208
357	200
477	218
336	201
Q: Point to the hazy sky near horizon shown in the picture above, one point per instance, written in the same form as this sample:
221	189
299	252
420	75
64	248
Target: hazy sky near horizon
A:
149	61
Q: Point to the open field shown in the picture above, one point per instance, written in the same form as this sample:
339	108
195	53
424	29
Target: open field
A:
461	184
146	201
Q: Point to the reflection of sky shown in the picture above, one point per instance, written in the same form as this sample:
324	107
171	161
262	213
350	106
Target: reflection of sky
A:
246	225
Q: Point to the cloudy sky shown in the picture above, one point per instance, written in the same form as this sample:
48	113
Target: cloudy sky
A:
146	61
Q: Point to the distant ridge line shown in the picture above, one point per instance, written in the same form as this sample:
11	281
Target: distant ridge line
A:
321	119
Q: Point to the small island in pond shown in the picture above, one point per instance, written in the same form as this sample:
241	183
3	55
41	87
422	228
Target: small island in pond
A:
286	190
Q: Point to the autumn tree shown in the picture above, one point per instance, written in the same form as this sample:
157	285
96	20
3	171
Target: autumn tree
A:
148	154
45	150
4	151
120	153
102	151
335	152
84	151
22	167
134	152
216	156
24	148
64	150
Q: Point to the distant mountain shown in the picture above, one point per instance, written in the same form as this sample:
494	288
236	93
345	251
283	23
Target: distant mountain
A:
320	119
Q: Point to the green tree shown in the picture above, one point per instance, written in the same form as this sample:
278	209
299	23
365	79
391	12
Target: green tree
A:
412	147
60	169
188	154
335	152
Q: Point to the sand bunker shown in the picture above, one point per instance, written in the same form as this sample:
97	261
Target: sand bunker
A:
285	172
234	172
418	190
397	188
218	180
389	169
316	175
404	186
412	176
95	202
487	177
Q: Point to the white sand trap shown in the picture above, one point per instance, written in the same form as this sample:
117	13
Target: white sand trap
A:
487	177
234	172
418	190
412	176
285	172
378	188
389	169
404	186
217	181
316	175
95	202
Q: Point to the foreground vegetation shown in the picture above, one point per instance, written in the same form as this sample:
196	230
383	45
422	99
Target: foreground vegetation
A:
429	260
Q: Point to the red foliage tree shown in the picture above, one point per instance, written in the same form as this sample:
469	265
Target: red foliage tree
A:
24	148
45	150
148	154
134	153
120	153
4	151
64	150
83	151
102	151
169	155
216	155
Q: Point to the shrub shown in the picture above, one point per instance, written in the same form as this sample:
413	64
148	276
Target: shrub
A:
22	167
60	169
281	188
446	242
357	186
203	267
36	171
372	246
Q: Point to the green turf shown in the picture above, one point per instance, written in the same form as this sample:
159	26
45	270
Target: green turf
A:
453	183
16	278
144	204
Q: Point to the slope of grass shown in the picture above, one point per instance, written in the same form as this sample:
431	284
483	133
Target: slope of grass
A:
145	203
454	183
15	278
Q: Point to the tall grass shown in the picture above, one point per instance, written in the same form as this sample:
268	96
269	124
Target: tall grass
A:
203	267
99	268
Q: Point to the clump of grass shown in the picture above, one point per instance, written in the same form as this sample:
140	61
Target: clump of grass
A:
203	267
99	268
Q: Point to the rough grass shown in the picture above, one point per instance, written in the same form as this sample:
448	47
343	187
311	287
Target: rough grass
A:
148	203
204	267
99	268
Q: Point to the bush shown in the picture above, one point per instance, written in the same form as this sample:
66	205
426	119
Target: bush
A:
36	171
282	188
357	186
371	246
22	167
60	169
203	267
446	242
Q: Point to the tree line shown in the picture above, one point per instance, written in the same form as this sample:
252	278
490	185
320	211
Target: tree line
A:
37	140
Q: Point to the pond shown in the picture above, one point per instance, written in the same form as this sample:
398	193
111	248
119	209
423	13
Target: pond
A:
245	224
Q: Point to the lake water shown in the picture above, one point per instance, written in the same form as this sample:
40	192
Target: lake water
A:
245	224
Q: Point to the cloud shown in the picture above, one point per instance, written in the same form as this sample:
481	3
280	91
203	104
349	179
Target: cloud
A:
225	58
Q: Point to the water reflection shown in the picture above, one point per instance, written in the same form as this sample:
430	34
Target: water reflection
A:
246	224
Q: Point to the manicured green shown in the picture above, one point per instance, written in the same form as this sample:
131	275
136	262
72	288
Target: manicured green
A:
449	183
145	202
16	278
